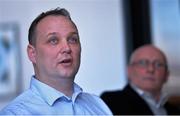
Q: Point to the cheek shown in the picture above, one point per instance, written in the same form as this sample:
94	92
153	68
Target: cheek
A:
132	73
162	77
137	75
46	55
76	53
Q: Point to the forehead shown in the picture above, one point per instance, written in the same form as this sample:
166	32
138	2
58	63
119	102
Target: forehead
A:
56	22
150	53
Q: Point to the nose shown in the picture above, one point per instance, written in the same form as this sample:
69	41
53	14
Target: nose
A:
151	68
65	47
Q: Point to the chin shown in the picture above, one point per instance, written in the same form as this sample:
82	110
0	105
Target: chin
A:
67	75
68	72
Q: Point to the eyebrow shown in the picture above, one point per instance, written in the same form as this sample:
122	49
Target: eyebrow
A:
68	35
54	33
73	33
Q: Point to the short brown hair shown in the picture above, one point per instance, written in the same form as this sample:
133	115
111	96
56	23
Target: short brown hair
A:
32	29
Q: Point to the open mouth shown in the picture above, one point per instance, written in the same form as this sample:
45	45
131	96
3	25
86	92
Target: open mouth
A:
66	62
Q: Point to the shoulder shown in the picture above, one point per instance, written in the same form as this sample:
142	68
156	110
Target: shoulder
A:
172	109
95	102
111	97
90	97
111	93
120	92
115	96
19	104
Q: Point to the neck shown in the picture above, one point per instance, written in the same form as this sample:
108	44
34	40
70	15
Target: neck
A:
63	85
156	95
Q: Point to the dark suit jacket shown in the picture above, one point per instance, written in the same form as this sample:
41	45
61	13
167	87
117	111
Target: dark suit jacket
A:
128	102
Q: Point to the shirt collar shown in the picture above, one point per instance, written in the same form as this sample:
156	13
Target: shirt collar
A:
49	94
144	95
139	91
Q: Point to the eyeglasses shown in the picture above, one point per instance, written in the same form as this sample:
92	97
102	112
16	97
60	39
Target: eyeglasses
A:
146	63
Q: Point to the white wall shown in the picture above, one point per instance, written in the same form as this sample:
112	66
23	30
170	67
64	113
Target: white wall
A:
101	32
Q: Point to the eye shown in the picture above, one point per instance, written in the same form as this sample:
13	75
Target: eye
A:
53	40
159	65
73	40
142	63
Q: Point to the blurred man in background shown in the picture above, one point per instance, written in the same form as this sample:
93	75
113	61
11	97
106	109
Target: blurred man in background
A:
147	73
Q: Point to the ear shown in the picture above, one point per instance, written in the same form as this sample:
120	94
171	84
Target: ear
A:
31	53
167	76
129	71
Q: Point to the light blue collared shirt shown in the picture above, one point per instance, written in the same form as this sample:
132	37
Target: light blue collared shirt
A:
41	99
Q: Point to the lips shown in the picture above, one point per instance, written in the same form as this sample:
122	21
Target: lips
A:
66	61
149	78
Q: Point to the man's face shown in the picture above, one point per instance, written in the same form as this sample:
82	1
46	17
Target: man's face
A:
57	51
148	69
